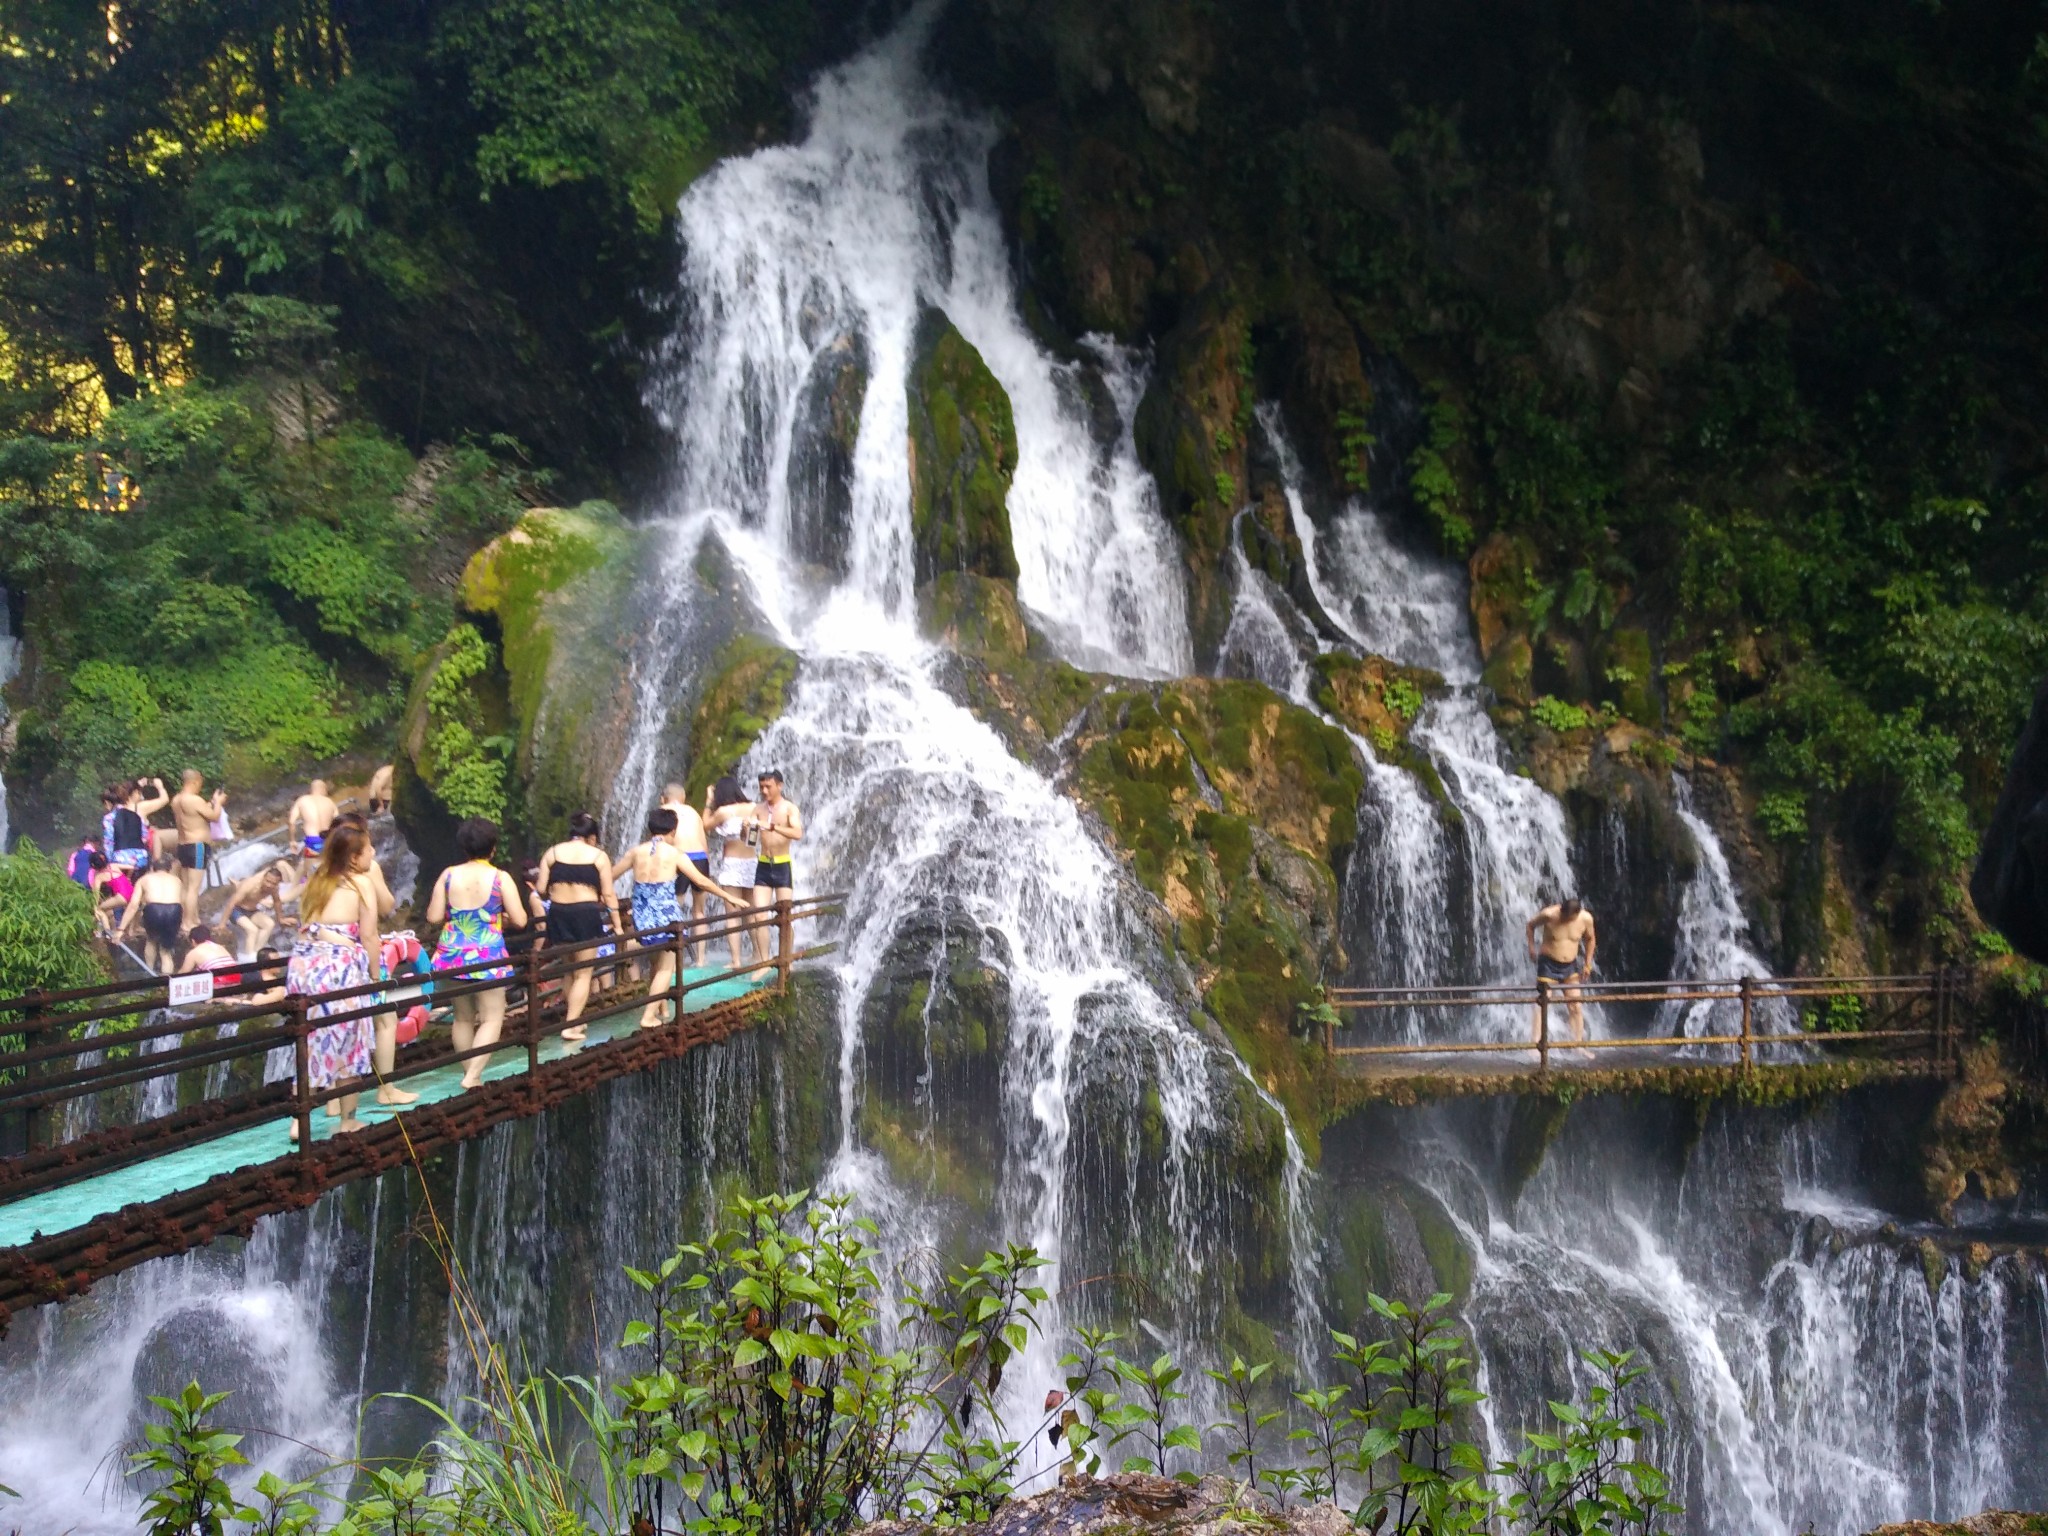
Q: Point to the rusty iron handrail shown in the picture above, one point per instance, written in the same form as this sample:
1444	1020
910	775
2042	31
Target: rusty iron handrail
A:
1941	987
48	1163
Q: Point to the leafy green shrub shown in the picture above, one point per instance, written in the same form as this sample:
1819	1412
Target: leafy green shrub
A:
1782	814
470	769
46	926
1559	715
1402	697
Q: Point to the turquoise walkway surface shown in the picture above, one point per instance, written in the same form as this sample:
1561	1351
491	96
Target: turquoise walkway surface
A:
59	1210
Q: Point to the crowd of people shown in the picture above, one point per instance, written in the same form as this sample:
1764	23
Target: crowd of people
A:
329	899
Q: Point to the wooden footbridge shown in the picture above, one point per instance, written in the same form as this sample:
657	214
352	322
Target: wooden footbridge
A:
133	1128
1431	1041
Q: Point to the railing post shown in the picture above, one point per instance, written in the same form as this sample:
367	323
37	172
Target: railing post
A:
785	944
533	1022
1748	1018
302	1068
1542	1027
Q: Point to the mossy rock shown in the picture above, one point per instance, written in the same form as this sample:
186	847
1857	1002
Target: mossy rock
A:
825	435
1377	698
1191	430
1007	674
1237	810
1629	669
742	694
963	455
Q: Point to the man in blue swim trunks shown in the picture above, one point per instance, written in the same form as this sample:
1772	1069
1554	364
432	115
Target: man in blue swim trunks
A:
1565	958
312	818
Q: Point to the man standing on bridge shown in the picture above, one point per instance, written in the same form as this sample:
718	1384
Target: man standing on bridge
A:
1566	958
778	824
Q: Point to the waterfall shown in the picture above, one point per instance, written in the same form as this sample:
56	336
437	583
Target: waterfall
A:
1714	942
797	259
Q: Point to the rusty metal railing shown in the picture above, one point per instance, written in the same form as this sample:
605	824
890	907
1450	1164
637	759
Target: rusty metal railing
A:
78	1044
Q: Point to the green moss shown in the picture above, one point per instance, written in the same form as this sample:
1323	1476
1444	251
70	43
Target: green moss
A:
1449	1259
1630	673
963	453
1532	1126
742	694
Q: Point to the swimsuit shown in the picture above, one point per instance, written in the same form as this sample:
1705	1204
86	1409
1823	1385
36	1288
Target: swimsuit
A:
655	904
774	873
126	839
683	882
575	922
473	935
315	841
192	855
1548	969
163	921
326	958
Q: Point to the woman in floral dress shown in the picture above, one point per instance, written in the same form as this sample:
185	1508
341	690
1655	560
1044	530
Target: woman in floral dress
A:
337	932
474	898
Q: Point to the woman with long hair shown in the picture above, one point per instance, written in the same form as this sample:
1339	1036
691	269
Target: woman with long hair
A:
576	878
474	898
337	935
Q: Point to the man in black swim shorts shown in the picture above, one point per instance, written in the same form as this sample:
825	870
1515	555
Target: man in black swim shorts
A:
1565	959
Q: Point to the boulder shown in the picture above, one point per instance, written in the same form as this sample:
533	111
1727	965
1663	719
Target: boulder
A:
739	696
963	454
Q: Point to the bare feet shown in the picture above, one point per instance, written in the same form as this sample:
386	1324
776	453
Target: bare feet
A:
575	1033
349	1123
652	1021
469	1082
392	1097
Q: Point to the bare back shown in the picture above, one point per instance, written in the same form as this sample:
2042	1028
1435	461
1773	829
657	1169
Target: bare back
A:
655	862
314	814
688	836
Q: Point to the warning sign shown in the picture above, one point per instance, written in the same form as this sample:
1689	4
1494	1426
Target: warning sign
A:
197	987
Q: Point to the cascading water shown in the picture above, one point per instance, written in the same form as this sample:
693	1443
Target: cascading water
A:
799	259
1714	941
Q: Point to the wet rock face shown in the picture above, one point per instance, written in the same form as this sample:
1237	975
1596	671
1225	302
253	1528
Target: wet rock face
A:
827	427
739	696
2010	886
1133	1503
935	1030
963	453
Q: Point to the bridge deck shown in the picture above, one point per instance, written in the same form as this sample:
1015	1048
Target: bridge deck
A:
70	1206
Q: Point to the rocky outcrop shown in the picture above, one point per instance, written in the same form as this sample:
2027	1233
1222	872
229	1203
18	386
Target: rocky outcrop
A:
1965	1143
739	695
517	714
1132	1504
825	431
963	453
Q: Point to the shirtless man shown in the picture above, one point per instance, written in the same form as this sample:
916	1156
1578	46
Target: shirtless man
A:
379	792
1569	940
689	840
195	815
312	815
245	915
780	824
159	905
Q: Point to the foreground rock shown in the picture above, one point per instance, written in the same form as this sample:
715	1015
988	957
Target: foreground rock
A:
1993	1522
1133	1502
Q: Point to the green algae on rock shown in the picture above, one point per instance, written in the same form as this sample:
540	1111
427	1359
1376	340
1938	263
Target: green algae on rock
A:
963	453
741	695
542	602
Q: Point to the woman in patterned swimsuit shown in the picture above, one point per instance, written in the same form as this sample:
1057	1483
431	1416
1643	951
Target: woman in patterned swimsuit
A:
337	931
656	912
474	899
